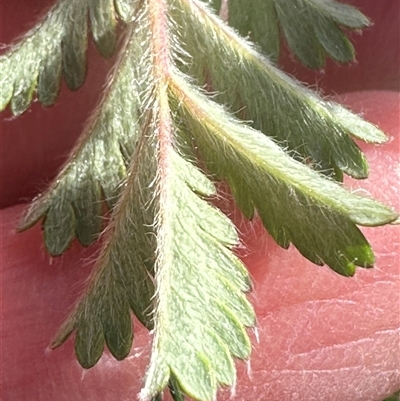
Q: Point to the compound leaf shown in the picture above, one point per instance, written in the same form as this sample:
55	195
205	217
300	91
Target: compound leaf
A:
168	253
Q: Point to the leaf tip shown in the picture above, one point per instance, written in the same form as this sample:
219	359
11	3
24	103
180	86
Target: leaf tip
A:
396	221
63	333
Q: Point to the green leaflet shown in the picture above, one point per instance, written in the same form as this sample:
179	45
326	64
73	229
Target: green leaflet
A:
294	202
312	28
72	206
304	125
201	312
57	46
122	279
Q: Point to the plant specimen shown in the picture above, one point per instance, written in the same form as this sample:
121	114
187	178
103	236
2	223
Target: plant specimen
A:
189	102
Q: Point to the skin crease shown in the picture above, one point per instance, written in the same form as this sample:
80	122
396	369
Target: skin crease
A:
320	336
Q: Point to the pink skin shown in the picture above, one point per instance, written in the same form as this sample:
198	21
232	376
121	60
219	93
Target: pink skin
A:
320	336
